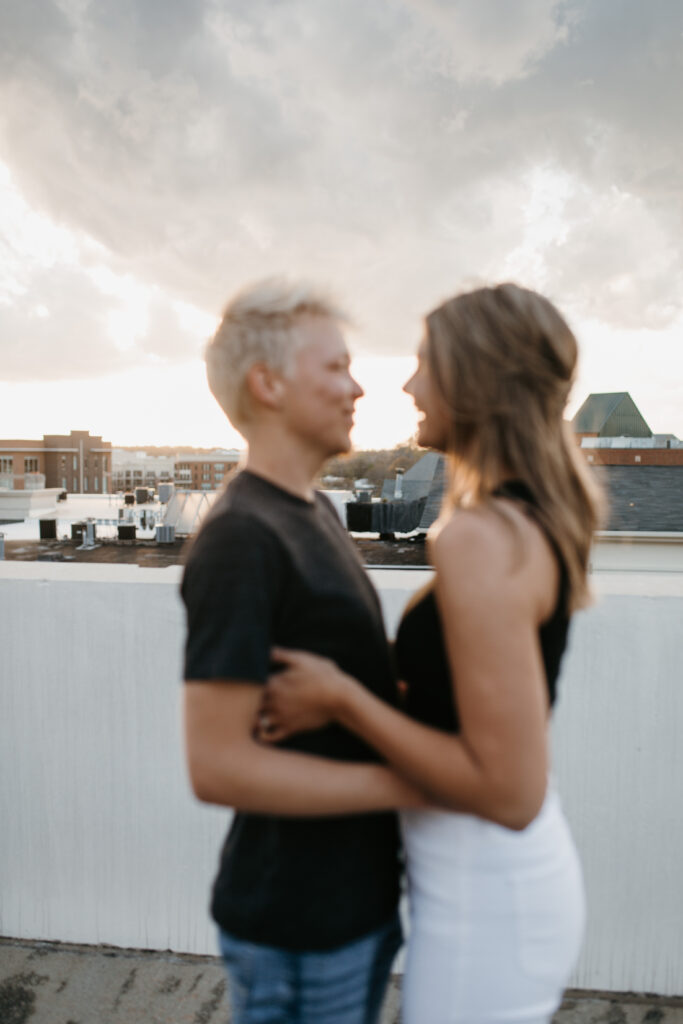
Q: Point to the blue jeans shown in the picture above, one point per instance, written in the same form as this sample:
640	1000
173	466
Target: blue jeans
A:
339	986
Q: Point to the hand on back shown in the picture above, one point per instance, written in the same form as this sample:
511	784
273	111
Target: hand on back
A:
301	696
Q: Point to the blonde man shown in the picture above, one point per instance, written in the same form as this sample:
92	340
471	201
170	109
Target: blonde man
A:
306	893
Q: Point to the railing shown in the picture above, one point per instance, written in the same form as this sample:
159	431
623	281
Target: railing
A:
102	842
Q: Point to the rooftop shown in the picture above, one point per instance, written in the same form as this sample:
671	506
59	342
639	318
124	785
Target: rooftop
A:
643	497
48	983
610	413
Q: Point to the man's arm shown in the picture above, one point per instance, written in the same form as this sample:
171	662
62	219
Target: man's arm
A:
228	766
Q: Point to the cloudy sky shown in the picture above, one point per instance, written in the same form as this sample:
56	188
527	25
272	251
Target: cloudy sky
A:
157	154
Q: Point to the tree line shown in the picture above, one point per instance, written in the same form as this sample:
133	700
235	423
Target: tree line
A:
376	466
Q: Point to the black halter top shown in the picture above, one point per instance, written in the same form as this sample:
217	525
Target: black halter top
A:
420	651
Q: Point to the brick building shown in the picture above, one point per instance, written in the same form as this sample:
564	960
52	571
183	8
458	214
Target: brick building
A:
77	462
658	450
22	465
140	469
204	472
612	432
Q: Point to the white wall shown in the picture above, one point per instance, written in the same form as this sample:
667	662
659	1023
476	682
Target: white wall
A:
101	840
618	551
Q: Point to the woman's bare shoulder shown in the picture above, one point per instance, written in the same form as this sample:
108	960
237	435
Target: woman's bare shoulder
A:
495	550
473	534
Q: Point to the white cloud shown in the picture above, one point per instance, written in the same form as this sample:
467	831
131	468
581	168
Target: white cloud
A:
394	148
493	42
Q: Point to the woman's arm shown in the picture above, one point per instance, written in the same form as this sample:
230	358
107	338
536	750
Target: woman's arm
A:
228	766
491	602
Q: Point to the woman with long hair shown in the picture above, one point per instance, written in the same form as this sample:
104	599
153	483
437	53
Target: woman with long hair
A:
496	896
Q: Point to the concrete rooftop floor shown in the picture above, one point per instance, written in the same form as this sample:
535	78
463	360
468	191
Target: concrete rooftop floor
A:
54	983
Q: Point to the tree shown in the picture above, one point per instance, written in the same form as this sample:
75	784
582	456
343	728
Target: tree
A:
375	465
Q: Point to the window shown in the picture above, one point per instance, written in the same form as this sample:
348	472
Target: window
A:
85	483
30	465
219	465
75	463
5	465
63	483
637	458
96	484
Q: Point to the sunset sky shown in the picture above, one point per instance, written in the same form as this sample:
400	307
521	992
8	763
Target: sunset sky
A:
155	155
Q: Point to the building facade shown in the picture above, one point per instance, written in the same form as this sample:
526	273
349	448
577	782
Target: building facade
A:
22	465
79	463
204	472
140	469
658	450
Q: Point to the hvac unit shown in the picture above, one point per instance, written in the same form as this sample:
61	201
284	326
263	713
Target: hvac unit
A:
48	529
165	535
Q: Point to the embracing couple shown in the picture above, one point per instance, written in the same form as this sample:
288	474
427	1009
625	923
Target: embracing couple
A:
291	699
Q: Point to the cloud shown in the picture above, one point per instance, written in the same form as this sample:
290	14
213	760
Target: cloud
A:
64	312
80	328
618	263
389	148
492	42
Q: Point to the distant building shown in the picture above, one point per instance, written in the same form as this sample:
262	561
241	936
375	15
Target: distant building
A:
422	486
612	432
204	472
658	450
639	498
643	498
415	482
22	465
613	414
402	505
140	469
83	464
77	462
641	472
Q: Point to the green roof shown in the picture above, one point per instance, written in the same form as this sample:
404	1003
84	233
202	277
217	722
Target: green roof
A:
611	414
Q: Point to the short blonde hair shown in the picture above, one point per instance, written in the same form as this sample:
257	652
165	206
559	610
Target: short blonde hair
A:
260	325
503	360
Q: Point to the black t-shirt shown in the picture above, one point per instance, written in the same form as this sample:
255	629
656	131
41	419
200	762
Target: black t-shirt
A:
269	568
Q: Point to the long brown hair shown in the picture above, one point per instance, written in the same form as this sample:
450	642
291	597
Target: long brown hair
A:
503	361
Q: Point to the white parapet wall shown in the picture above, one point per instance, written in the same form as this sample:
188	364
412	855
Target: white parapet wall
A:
16	506
618	551
101	840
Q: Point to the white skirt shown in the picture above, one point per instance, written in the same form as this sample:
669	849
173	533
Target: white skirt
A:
496	917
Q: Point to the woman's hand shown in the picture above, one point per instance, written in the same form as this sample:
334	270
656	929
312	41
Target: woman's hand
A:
304	695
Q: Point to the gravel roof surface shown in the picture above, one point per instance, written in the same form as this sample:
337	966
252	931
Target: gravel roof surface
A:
152	555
